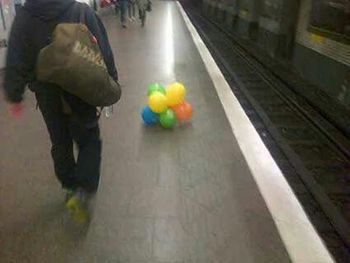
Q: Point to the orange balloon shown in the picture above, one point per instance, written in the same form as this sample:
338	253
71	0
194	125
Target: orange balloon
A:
183	111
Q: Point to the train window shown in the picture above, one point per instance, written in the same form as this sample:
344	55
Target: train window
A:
331	18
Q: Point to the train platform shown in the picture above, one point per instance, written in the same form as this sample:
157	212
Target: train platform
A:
208	191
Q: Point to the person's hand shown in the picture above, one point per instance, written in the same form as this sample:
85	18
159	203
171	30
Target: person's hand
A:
16	110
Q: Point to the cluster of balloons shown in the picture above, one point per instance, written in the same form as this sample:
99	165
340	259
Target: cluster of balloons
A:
166	106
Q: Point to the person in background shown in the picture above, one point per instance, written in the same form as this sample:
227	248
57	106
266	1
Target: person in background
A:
80	178
123	7
132	9
143	6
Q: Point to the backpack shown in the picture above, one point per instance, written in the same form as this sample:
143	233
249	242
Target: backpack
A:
74	62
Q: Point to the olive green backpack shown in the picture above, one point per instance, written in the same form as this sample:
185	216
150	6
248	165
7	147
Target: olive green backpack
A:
74	62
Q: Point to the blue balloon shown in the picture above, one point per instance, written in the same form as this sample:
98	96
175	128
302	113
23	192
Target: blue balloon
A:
149	117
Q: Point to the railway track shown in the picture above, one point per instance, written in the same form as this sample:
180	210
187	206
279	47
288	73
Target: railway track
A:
310	150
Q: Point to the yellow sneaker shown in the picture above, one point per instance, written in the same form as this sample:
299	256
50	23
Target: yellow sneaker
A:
77	209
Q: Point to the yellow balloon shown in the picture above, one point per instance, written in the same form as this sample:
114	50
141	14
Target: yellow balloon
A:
175	94
158	102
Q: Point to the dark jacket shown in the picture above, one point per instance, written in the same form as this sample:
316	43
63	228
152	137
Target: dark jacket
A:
31	31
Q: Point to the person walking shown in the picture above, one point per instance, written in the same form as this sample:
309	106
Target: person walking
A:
67	117
132	9
123	7
143	6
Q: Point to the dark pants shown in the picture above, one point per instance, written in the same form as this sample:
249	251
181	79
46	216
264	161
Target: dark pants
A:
123	6
80	126
142	15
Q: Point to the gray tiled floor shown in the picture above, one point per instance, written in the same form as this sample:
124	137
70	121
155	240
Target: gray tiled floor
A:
166	196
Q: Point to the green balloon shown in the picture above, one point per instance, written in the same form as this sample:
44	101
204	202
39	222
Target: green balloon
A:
168	119
156	87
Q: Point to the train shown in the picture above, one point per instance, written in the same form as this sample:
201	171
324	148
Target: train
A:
312	35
